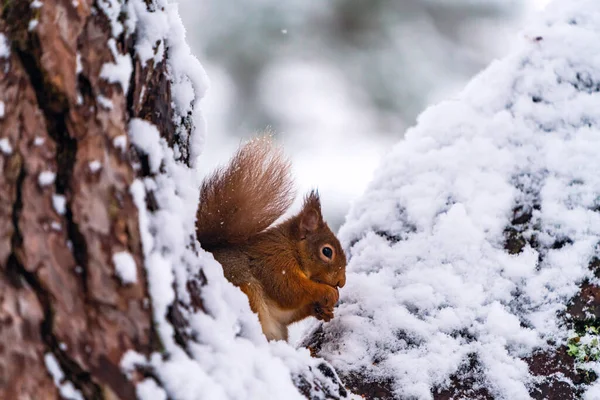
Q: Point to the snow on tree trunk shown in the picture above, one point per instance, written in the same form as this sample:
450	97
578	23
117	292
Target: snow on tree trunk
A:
473	253
104	291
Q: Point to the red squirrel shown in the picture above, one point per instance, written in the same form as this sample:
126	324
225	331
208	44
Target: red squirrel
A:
289	271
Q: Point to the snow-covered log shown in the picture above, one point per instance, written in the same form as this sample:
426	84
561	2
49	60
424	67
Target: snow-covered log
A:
104	291
473	255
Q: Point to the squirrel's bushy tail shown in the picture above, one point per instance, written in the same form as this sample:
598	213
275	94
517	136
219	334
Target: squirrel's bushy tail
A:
245	197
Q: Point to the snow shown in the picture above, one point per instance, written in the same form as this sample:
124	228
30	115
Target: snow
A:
146	137
429	283
120	142
112	9
78	65
149	390
4	46
46	178
38	141
66	388
105	102
36	4
95	166
1	109
59	202
5	146
125	267
119	71
32	24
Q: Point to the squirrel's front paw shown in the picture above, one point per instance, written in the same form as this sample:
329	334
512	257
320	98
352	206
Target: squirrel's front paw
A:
323	309
323	314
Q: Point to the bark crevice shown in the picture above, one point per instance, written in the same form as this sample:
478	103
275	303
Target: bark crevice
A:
54	109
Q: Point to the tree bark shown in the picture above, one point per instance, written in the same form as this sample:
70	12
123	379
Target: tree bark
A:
60	297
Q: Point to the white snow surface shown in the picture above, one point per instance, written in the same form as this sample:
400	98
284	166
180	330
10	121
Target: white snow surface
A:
4	46
125	267
66	388
5	146
228	357
46	178
59	202
146	137
2	109
95	166
429	282
118	72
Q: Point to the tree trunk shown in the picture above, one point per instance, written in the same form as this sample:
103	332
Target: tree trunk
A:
66	208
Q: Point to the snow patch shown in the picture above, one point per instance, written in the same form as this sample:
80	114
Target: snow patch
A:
4	46
66	388
46	178
35	4
119	71
1	109
146	137
5	146
95	166
120	142
32	24
149	390
38	141
78	65
125	267
104	102
112	9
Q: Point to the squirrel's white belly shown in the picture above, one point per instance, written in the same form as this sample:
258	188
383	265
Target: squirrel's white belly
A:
274	320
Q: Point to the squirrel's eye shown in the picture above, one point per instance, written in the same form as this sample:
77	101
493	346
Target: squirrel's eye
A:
327	251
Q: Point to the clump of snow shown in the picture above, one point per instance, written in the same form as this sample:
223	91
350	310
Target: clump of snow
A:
112	9
78	65
152	28
59	202
125	267
95	166
104	102
4	46
1	109
146	137
119	71
5	146
36	4
46	178
120	142
32	24
149	390
430	284
38	141
66	388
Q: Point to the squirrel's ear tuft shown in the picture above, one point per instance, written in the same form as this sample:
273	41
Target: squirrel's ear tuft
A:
313	201
310	216
309	222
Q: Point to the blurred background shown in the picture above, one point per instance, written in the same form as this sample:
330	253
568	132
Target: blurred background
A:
338	81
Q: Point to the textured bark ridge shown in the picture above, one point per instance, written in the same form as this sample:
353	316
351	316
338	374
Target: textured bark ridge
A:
60	297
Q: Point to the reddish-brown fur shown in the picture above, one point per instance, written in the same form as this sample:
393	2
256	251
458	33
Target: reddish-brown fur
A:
283	269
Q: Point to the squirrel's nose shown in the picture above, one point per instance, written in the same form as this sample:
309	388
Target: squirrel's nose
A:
341	282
